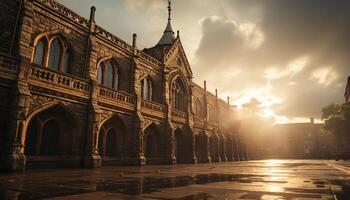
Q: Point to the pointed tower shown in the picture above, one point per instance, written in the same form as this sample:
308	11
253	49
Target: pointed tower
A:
166	41
168	35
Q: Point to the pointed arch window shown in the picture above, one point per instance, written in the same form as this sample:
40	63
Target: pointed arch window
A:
99	74
197	107
108	75
179	95
39	53
147	89
53	53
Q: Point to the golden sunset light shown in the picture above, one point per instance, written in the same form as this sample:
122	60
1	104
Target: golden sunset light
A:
174	99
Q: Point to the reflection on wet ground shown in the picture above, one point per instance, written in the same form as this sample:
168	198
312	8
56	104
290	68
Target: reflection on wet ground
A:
269	179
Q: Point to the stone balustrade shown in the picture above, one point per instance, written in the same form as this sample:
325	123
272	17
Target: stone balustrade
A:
116	95
56	78
178	113
153	106
198	121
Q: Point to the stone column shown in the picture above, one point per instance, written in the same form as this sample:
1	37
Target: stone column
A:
169	129
235	149
193	143
229	149
13	158
92	158
191	123
138	153
206	121
208	147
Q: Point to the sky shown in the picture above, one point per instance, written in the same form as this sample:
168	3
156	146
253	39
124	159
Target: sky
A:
292	56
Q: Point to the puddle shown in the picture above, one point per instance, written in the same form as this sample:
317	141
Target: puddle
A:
126	186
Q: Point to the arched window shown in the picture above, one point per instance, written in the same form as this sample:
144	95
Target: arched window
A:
179	95
107	74
197	107
39	53
66	62
99	74
147	89
57	56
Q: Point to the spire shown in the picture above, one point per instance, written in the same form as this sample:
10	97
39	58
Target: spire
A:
169	10
168	35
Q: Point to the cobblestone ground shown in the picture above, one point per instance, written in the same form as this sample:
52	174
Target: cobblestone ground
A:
267	179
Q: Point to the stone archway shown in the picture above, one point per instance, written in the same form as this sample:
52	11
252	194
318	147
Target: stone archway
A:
112	140
183	146
214	148
202	147
154	150
49	137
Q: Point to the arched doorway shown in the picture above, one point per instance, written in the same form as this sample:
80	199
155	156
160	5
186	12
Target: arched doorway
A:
154	150
49	138
201	147
214	148
183	146
112	142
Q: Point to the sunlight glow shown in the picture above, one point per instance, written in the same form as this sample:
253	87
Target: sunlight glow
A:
273	163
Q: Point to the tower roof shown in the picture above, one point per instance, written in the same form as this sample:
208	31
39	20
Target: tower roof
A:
168	35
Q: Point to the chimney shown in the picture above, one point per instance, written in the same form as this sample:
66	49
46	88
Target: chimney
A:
228	100
205	85
216	93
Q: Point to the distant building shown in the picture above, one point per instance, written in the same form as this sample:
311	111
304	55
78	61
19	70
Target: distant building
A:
295	141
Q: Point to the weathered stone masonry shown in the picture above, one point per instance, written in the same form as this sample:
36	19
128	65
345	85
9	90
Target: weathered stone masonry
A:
73	94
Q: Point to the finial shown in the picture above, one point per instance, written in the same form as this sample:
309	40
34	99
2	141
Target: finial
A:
169	10
92	13
228	100
205	85
178	33
216	93
134	37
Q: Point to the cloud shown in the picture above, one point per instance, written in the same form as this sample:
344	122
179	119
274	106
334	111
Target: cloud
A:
225	39
292	69
324	76
294	41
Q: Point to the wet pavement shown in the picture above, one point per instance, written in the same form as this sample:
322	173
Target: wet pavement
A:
267	179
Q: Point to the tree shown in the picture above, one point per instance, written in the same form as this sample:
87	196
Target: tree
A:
337	121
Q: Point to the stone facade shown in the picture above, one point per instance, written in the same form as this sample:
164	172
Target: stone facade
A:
76	115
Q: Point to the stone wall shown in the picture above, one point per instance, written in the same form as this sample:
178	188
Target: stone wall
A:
138	127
